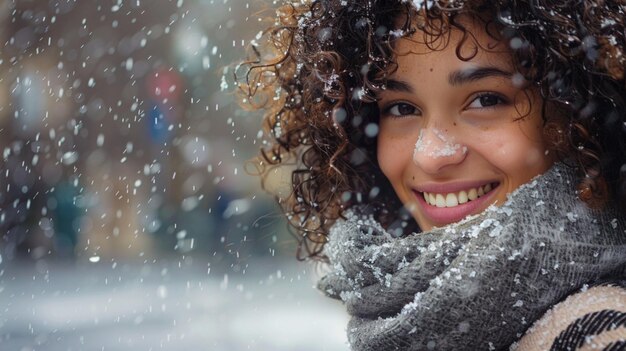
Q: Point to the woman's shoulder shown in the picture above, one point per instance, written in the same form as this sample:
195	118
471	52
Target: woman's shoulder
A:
592	319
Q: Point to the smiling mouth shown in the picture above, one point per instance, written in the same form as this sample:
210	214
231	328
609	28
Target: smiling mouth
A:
458	198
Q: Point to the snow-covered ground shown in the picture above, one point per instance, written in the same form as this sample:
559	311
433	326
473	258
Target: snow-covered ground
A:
173	305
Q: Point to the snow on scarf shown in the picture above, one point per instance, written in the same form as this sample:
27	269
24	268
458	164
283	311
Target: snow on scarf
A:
477	284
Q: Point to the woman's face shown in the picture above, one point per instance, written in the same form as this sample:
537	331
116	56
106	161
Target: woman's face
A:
457	136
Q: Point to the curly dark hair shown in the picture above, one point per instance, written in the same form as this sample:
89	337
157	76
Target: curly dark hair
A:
317	69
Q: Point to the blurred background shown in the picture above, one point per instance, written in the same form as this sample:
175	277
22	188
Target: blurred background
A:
127	217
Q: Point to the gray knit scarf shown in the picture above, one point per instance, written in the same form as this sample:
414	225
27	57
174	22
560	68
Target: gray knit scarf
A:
477	284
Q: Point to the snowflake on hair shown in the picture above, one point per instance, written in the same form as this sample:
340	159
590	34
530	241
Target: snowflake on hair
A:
418	4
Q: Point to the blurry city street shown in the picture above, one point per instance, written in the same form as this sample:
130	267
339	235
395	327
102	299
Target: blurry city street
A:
167	306
130	215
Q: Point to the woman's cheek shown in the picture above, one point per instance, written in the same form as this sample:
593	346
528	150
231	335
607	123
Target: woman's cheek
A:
385	154
513	153
389	155
396	141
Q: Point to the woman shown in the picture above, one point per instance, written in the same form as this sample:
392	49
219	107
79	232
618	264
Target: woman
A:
460	164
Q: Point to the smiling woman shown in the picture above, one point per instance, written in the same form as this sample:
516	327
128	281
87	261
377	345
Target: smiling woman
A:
461	165
457	135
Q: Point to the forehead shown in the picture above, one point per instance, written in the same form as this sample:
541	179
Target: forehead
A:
464	38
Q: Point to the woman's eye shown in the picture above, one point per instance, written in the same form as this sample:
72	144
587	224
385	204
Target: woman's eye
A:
401	109
486	100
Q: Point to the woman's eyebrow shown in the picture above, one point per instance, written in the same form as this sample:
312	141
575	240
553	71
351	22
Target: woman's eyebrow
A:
454	78
397	85
475	73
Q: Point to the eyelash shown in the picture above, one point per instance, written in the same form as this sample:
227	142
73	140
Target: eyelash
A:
387	110
500	100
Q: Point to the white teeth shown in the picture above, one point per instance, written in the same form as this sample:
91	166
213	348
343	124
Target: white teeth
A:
454	199
451	200
441	202
472	194
462	197
487	188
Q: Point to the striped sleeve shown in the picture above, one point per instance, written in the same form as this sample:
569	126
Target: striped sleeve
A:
606	327
593	319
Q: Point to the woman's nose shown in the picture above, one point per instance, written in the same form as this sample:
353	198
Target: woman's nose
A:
435	149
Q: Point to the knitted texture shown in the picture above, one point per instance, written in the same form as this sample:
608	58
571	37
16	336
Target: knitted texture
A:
477	284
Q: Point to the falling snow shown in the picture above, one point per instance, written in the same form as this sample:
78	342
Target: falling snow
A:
124	157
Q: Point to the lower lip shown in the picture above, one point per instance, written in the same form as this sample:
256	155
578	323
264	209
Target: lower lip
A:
441	216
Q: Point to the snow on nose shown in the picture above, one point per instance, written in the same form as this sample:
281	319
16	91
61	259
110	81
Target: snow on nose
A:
433	143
